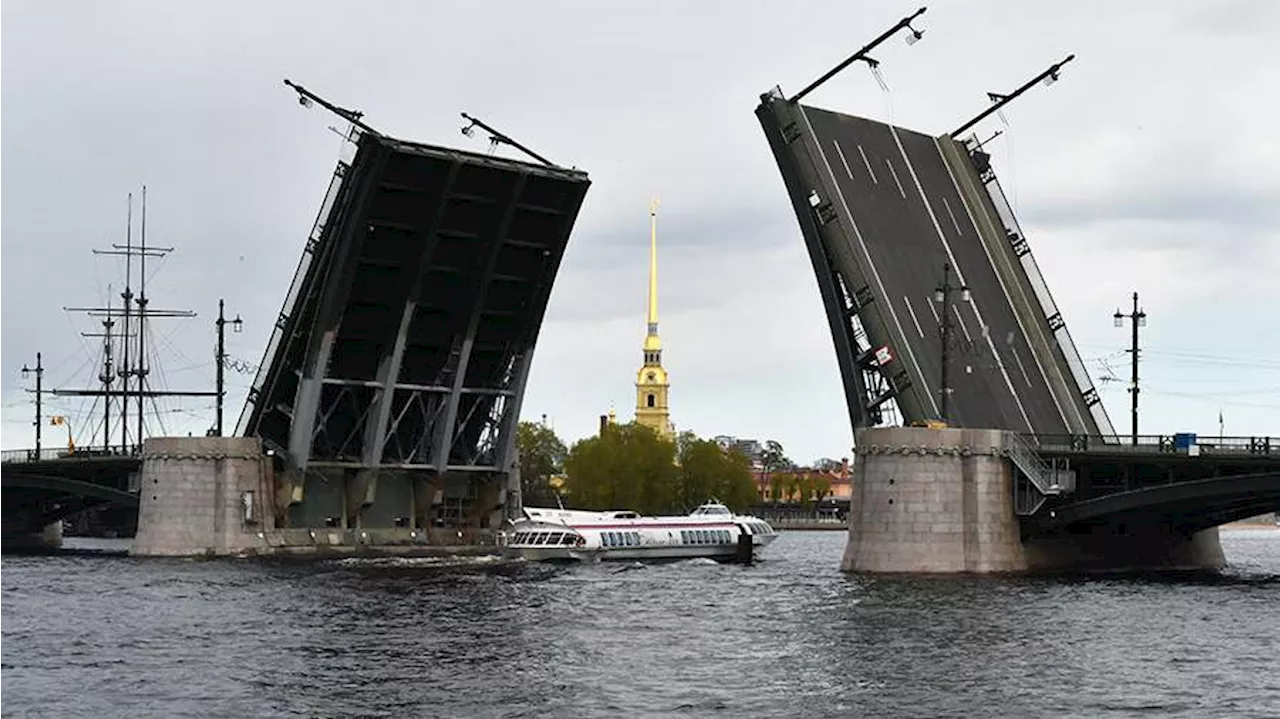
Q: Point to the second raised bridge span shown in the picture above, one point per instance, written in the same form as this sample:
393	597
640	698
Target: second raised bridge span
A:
883	210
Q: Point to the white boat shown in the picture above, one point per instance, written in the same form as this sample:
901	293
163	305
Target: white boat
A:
711	530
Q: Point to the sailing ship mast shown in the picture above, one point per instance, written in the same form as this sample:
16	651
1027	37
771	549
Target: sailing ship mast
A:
134	364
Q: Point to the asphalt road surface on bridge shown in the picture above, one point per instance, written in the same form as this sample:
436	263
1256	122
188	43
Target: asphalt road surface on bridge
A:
910	220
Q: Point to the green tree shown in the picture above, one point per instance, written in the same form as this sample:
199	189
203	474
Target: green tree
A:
542	456
778	485
737	485
631	467
822	486
793	487
773	458
701	465
707	471
806	486
626	467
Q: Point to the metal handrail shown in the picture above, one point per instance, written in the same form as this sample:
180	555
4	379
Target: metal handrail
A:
1041	290
19	456
1025	458
1154	443
295	289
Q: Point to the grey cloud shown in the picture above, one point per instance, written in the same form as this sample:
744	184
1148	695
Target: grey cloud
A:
187	98
1234	214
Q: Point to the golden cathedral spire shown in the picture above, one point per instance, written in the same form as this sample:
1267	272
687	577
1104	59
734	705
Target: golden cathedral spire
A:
653	267
651	379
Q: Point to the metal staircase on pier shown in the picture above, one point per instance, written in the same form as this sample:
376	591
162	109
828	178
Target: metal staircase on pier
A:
1035	480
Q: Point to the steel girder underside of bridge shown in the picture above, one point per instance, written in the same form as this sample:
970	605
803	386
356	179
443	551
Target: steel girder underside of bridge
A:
1118	485
36	494
1186	507
404	344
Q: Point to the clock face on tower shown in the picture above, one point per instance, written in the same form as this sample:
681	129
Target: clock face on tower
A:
651	376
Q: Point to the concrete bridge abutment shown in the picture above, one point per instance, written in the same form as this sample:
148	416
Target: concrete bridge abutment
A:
203	496
942	501
223	496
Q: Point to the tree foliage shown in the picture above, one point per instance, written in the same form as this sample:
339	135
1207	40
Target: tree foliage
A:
799	486
773	458
542	456
630	467
821	486
777	487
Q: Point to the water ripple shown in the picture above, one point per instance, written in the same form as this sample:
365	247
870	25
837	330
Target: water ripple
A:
94	636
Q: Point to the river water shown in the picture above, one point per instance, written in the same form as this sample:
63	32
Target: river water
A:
108	636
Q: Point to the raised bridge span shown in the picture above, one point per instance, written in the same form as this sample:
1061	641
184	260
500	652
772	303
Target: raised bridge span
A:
938	312
391	387
883	211
389	392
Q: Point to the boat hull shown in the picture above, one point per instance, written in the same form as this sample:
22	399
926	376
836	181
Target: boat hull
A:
561	535
572	555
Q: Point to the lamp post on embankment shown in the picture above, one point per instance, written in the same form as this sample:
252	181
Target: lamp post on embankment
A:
1138	318
942	294
221	360
39	372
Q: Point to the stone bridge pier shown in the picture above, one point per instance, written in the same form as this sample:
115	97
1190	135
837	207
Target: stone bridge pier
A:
942	501
203	495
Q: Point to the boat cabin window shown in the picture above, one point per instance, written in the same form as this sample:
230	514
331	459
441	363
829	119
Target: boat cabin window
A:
705	536
619	539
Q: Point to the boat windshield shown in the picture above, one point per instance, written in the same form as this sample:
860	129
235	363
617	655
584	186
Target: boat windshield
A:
712	508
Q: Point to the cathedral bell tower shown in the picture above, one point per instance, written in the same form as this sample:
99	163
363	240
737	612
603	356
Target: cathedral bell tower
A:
651	380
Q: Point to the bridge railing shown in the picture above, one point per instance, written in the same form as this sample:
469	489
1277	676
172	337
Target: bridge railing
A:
1047	305
1039	472
1155	444
295	289
12	456
9	456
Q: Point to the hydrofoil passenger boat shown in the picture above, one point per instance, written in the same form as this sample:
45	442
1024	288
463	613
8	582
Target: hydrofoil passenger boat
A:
711	531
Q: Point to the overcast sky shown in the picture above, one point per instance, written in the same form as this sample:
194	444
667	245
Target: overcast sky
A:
1153	166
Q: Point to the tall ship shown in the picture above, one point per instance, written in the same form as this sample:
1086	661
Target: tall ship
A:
565	535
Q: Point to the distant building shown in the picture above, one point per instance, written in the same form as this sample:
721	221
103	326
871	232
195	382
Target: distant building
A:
838	477
750	448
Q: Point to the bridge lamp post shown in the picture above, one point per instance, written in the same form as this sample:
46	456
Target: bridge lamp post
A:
1139	319
39	373
236	325
942	295
912	38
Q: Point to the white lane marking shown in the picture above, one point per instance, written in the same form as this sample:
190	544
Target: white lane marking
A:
895	178
990	260
963	326
842	160
907	300
959	274
953	215
1017	357
868	164
936	319
865	253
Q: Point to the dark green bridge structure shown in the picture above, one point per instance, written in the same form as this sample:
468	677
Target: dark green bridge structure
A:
1155	481
389	392
40	490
